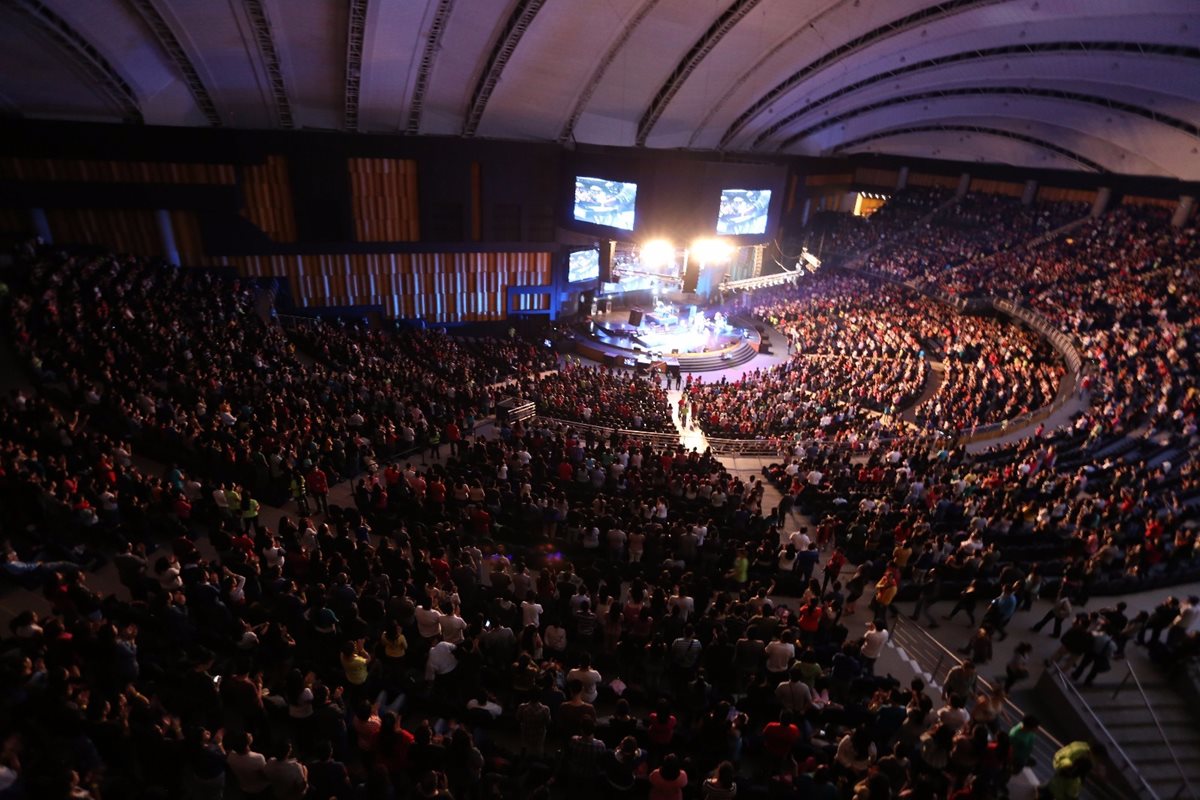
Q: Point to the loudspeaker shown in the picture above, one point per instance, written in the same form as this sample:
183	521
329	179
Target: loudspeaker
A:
635	317
607	251
691	276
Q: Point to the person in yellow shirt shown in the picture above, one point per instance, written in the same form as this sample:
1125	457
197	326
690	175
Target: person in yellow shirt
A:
393	645
885	592
356	663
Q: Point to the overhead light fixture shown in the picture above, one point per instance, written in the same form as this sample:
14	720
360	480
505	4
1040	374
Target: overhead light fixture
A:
712	251
657	253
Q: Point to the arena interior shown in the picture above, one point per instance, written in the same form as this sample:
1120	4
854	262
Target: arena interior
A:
587	399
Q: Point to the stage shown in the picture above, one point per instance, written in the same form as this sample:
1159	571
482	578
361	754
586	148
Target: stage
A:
682	337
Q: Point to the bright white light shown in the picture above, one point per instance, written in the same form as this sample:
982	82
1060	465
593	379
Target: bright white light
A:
657	253
711	251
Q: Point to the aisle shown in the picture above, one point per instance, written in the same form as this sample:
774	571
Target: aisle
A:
692	438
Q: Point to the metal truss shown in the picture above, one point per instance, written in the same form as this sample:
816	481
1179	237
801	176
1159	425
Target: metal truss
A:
736	12
84	54
859	43
593	81
433	43
174	49
354	58
1127	48
518	22
982	91
270	60
1000	132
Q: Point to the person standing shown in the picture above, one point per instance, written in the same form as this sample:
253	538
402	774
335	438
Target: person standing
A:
1000	611
929	591
318	487
1059	612
968	598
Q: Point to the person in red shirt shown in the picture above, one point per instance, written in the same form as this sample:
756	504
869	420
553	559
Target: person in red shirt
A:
780	737
453	436
318	487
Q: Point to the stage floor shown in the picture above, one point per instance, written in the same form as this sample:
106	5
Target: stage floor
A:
698	339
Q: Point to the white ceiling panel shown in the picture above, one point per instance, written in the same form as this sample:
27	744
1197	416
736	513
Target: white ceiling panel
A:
392	44
557	55
781	67
466	46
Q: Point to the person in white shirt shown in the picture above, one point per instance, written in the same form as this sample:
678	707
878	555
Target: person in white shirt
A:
800	540
1189	612
780	652
248	767
684	603
428	620
873	641
442	660
452	627
588	678
531	611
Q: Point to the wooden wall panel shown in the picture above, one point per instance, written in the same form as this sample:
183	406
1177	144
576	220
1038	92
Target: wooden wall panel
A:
384	199
133	231
268	193
1057	194
926	179
64	169
437	287
1162	202
188	241
829	180
1007	188
886	178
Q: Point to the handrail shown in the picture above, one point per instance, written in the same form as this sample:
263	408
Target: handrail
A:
1062	679
1186	786
946	653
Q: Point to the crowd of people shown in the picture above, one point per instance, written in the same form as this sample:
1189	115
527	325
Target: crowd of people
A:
860	353
550	613
599	395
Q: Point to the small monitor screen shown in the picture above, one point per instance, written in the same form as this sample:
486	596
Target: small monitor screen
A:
743	211
583	265
605	202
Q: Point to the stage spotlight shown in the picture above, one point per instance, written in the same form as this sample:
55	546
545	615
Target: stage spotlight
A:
711	251
657	253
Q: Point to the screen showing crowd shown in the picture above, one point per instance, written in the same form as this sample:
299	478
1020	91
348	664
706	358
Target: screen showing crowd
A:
605	202
743	211
584	265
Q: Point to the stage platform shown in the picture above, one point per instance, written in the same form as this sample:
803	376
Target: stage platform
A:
676	337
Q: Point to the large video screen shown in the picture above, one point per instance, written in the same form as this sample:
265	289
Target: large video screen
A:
605	202
583	265
743	211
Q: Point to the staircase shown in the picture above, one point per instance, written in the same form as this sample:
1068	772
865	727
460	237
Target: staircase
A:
1150	732
1133	726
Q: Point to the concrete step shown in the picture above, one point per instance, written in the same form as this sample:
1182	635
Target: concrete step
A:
1136	715
1152	751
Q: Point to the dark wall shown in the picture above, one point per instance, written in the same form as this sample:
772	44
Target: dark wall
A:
679	194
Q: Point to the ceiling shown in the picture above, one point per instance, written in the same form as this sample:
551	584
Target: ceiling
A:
1094	85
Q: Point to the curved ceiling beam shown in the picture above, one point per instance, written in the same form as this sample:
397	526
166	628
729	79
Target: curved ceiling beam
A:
593	81
85	55
925	15
433	43
355	31
1053	94
518	22
1131	48
723	24
171	45
1000	132
270	61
